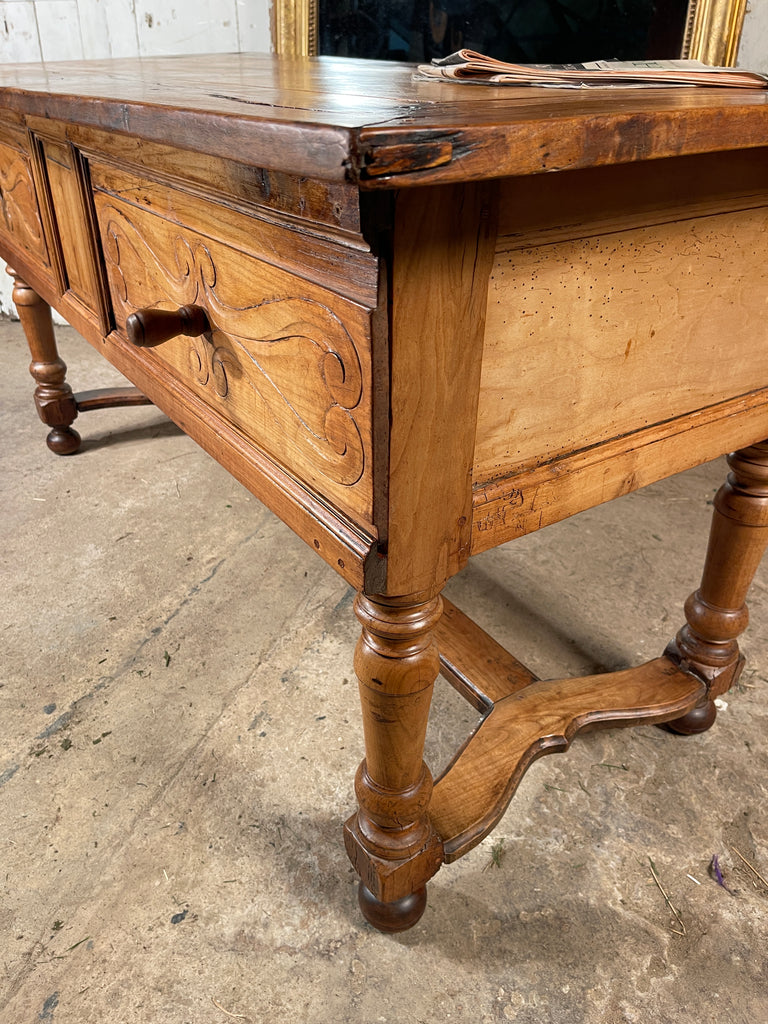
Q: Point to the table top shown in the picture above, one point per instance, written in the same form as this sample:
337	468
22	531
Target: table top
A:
372	123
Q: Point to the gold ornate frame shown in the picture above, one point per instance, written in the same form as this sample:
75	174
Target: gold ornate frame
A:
713	30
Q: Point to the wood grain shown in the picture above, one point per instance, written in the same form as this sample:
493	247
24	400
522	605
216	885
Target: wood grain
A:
391	841
54	400
474	663
311	202
716	613
19	214
532	499
371	123
438	294
577	333
288	363
341	261
475	790
355	366
68	213
344	545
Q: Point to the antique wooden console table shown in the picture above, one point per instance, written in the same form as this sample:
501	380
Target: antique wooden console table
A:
417	320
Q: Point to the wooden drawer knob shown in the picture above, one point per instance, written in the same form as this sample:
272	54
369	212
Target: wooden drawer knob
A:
149	327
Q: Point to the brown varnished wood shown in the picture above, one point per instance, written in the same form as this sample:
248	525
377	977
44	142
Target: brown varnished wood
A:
54	400
285	361
70	221
109	398
473	793
371	122
338	260
346	547
19	211
474	663
316	204
390	841
620	197
379	365
717	613
590	320
438	275
147	328
396	916
545	494
340	542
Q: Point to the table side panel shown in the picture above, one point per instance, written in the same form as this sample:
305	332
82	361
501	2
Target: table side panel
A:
596	337
19	213
615	328
69	212
287	361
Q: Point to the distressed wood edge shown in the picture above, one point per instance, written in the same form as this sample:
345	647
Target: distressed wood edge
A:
388	157
474	791
531	499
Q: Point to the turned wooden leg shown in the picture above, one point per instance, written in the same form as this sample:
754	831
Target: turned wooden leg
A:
391	841
53	396
716	613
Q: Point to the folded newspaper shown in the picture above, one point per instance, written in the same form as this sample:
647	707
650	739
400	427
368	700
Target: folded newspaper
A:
469	66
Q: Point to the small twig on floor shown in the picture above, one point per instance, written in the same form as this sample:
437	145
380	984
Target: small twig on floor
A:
70	948
668	901
497	854
751	868
238	1016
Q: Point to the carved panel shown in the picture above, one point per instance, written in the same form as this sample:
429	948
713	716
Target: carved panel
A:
286	361
19	215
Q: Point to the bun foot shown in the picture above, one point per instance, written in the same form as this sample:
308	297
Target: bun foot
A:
392	917
699	719
63	441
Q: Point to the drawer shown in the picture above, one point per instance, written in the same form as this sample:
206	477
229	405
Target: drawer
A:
286	361
19	213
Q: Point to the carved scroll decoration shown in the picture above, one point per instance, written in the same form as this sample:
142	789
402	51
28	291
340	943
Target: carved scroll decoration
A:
18	205
292	353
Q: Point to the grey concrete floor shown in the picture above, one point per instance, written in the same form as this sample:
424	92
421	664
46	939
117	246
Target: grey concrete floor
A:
180	734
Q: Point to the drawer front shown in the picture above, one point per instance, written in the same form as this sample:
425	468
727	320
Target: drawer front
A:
19	214
286	361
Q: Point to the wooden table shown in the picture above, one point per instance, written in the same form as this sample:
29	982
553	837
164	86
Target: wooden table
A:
417	320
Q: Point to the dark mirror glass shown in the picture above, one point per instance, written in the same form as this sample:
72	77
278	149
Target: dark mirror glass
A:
524	31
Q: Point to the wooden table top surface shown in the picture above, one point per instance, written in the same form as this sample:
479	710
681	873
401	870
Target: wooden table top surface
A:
371	122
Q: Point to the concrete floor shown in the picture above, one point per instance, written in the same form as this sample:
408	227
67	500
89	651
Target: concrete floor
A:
181	732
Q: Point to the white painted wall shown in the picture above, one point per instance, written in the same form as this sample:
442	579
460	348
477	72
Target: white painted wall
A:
33	30
753	51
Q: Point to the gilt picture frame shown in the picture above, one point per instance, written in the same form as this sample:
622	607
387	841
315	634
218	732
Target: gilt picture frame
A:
711	33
